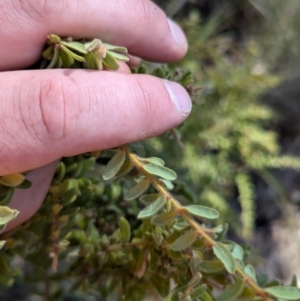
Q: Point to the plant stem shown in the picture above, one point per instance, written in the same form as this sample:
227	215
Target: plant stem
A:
210	242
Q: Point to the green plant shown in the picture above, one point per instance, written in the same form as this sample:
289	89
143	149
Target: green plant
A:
92	235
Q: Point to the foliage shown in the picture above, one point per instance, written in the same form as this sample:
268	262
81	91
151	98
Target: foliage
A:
110	226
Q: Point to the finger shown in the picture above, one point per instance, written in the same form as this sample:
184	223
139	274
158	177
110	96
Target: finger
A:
48	114
28	201
133	61
140	26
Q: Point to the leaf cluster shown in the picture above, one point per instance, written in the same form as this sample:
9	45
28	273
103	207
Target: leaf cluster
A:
119	225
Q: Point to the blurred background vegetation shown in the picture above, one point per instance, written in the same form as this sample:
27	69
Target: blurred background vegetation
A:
239	147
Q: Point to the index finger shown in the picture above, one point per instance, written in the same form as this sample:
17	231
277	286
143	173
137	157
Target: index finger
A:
139	25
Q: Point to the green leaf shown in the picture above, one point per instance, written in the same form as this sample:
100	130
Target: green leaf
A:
12	180
88	164
206	297
238	252
120	49
120	57
284	292
153	208
194	263
217	229
53	38
25	184
181	225
173	295
91	62
156	160
168	184
66	58
225	256
75	56
211	266
7	214
148	199
2	243
125	230
160	171
139	256
125	169
164	219
114	165
69	184
202	211
231	292
77	46
250	271
247	294
198	291
6	198
184	241
137	190
48	52
110	62
195	280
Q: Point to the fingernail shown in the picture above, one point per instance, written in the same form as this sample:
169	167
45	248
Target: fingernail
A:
178	34
179	96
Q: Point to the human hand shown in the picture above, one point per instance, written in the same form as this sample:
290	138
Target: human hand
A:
48	114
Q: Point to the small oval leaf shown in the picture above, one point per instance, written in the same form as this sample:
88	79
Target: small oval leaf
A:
115	48
148	199
184	241
211	266
250	271
164	219
120	57
160	171
66	58
125	230
77	46
238	252
198	291
153	208
231	292
114	165
110	62
12	180
247	294
72	54
225	256
6	198
137	190
25	184
168	184
156	160
284	292
195	280
125	169
202	211
7	214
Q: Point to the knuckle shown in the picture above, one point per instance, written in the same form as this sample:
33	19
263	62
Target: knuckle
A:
54	102
40	10
145	12
144	94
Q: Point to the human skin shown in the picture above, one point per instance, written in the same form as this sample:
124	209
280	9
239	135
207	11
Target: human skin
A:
48	114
